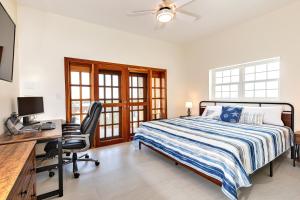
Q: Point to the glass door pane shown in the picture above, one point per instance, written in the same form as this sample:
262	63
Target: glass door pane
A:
109	87
80	92
110	123
158	96
137	100
109	94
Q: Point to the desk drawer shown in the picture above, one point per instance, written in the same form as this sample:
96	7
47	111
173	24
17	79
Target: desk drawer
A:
31	192
24	188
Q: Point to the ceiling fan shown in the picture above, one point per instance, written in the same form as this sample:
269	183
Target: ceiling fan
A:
168	10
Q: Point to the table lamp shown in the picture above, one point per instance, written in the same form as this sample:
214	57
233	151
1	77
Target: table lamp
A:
188	105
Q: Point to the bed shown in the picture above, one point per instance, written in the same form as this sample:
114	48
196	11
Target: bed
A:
224	153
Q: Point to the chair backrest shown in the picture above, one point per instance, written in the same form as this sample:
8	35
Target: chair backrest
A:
89	123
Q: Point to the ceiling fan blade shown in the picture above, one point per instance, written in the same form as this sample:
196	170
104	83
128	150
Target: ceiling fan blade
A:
197	17
159	26
186	16
141	12
181	3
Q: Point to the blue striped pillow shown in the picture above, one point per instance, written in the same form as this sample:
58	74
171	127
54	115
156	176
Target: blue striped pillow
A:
231	114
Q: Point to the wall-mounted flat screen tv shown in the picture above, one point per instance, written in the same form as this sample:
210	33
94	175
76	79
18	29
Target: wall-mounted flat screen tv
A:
7	45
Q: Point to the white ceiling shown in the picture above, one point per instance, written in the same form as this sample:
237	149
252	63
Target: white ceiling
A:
215	15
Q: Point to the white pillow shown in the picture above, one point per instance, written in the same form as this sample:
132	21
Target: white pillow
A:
271	115
255	118
212	112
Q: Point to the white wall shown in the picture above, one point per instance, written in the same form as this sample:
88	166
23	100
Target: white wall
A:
271	35
46	38
9	90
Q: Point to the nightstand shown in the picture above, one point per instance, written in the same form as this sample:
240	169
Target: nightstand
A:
297	145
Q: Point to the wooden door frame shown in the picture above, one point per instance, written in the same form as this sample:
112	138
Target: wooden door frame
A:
126	69
68	82
153	75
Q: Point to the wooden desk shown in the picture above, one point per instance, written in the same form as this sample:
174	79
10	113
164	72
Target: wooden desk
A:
17	164
33	136
41	137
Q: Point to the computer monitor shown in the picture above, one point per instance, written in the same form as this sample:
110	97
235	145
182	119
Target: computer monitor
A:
28	106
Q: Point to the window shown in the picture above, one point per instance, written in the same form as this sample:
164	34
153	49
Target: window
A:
80	92
254	80
158	96
227	83
262	80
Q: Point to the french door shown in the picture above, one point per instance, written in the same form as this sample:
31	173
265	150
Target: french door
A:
111	92
138	100
130	95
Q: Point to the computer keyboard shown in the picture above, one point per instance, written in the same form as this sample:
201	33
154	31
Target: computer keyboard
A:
48	126
39	127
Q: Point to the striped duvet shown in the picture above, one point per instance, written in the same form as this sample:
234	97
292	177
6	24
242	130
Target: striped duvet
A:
225	151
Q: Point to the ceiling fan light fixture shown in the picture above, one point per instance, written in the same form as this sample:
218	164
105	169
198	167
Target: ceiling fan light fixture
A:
164	15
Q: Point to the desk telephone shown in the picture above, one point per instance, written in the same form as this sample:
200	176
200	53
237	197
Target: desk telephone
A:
13	124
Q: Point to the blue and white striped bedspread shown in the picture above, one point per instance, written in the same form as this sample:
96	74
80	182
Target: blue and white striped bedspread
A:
225	151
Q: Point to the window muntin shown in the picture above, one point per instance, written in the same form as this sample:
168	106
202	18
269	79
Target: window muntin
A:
262	80
109	93
137	97
109	87
158	96
137	116
110	122
226	83
80	92
137	88
255	80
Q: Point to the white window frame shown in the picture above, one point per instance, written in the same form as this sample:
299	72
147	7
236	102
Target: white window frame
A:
242	82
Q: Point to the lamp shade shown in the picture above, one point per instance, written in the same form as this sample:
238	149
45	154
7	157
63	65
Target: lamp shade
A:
188	104
165	15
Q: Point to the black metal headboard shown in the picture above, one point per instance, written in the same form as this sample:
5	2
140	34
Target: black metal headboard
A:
287	116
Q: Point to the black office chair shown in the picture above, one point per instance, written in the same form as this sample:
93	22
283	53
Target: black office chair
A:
77	138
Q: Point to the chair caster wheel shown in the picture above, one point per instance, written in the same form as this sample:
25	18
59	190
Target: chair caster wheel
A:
51	174
87	156
97	163
76	175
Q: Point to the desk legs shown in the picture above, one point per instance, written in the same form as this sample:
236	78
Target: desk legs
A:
296	153
60	168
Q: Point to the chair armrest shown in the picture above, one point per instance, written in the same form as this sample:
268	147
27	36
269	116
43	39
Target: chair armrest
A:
76	137
71	132
70	126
